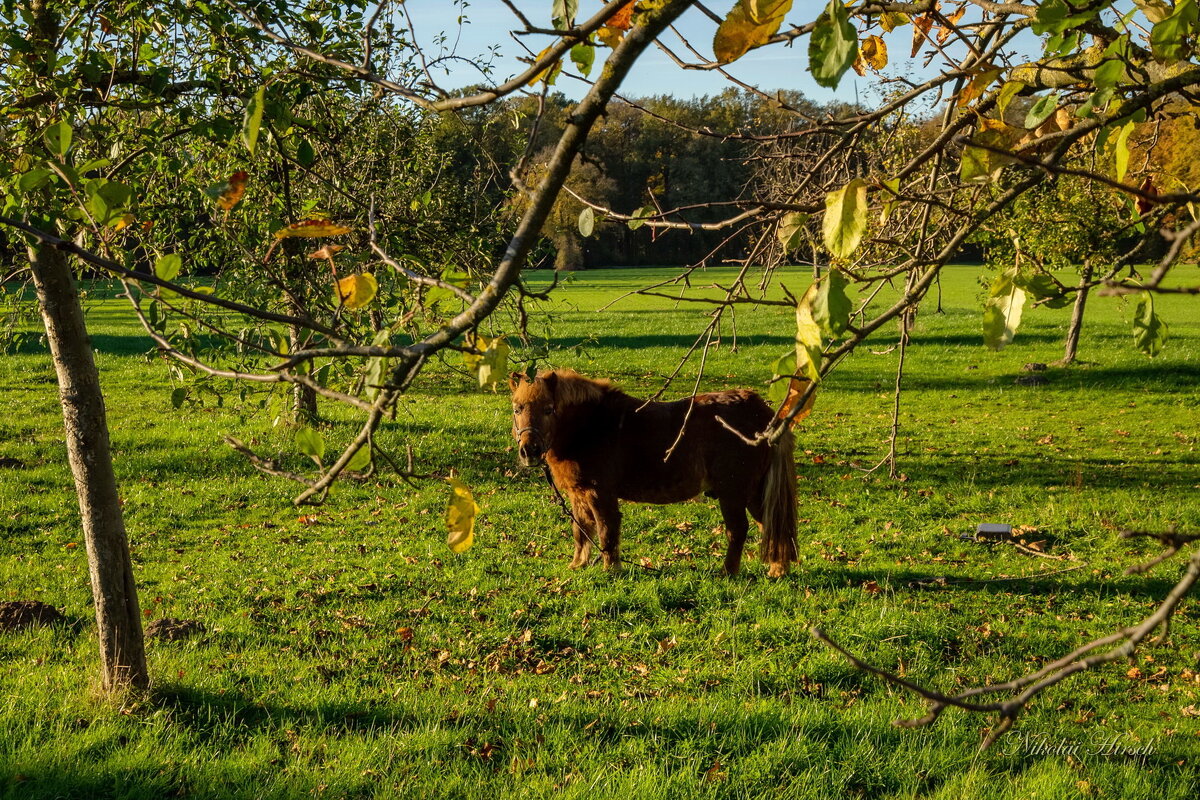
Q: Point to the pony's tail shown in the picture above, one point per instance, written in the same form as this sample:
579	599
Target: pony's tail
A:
778	546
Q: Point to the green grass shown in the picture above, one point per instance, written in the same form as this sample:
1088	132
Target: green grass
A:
524	679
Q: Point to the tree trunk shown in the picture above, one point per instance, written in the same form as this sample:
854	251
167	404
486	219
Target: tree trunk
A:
1071	345
304	399
118	618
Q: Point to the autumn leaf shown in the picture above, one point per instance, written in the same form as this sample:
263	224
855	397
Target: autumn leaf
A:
549	74
871	53
622	18
921	26
460	516
311	229
230	193
1002	312
327	252
845	219
808	337
355	291
951	20
980	81
791	230
890	20
795	390
749	24
490	364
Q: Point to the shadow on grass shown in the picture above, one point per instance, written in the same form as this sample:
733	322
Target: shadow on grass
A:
792	741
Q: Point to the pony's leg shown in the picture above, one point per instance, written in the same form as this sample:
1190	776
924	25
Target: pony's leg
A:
583	526
608	531
583	546
734	514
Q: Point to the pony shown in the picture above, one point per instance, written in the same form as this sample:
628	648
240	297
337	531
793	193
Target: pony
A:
602	446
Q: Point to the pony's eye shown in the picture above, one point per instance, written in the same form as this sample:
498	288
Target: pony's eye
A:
517	409
549	411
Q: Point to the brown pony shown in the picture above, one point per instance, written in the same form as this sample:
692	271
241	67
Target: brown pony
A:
602	445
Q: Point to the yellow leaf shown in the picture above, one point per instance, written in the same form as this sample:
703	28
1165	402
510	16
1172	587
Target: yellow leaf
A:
874	52
890	20
979	82
311	229
355	291
489	365
748	25
460	516
549	74
808	337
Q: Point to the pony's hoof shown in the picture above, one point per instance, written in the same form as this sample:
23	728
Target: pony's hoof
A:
777	570
730	571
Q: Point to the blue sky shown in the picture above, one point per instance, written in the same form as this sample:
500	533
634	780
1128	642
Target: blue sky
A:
488	23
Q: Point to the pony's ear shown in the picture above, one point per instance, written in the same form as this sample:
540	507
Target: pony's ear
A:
551	381
514	380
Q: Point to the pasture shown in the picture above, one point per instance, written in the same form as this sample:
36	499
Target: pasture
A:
349	653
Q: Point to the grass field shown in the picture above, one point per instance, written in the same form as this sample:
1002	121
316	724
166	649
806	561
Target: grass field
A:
348	653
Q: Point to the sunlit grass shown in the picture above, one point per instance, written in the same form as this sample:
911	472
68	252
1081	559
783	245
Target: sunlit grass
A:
349	653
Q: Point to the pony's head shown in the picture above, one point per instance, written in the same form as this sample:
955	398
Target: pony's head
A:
538	404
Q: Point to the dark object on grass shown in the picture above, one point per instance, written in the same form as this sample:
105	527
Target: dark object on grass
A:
602	446
27	614
1031	380
1034	366
11	463
991	530
174	629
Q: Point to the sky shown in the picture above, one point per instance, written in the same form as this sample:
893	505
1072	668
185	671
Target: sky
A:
487	24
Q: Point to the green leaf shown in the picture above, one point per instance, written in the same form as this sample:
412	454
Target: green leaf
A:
1039	111
1002	312
583	55
1149	331
1109	74
58	138
891	196
831	306
106	199
980	165
808	338
562	12
304	153
178	395
783	368
253	119
587	222
1121	150
791	230
361	460
845	218
638	218
311	443
833	45
168	266
34	179
1007	93
1168	39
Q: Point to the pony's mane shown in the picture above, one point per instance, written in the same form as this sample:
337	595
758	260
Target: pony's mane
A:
572	389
